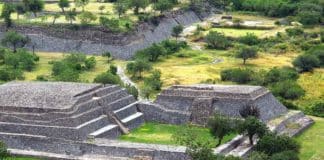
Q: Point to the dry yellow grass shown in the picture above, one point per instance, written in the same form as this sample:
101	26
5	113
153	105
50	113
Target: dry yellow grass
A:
44	68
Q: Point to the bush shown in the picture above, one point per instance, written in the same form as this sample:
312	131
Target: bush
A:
317	109
306	62
154	81
293	32
241	76
108	78
68	75
253	126
288	103
21	60
172	46
132	90
216	40
320	56
151	53
249	39
138	67
275	75
113	69
288	90
90	63
258	156
9	74
272	143
285	155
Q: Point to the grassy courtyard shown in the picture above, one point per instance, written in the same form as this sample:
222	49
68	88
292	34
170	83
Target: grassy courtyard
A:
312	146
163	134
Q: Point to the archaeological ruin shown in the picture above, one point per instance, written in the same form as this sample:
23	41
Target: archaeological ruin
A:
61	120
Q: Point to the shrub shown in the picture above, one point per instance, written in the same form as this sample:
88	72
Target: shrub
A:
216	40
20	60
112	24
250	110
293	32
241	76
288	103
249	39
272	143
258	156
108	78
320	56
288	90
281	74
113	69
151	53
154	81
132	90
137	67
318	109
285	155
9	74
90	63
172	46
220	126
87	17
306	62
68	75
253	126
247	53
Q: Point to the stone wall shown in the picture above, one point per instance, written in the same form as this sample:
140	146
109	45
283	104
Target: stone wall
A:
144	37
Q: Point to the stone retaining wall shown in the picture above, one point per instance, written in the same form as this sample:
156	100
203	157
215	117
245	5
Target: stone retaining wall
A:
143	38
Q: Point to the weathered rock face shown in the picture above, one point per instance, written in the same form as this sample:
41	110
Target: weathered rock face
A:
201	101
94	41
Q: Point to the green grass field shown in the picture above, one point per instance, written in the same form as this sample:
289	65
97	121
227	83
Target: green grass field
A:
162	134
312	141
44	68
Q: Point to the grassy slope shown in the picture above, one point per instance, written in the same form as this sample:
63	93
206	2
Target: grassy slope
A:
312	141
162	134
44	68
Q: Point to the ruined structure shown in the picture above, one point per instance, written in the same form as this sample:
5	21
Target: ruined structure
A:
82	121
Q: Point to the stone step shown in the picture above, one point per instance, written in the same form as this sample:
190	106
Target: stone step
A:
120	103
109	131
133	121
99	92
75	133
126	111
114	96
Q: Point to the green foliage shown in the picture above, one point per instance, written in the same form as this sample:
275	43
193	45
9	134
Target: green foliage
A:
81	3
151	53
154	80
14	40
241	76
317	109
285	155
3	151
137	67
253	126
216	40
288	89
177	30
258	156
132	90
7	9
172	46
220	126
34	6
112	24
164	5
121	7
306	62
293	32
71	15
87	17
108	78
249	39
113	69
9	74
22	59
272	143
275	75
138	4
64	4
246	53
90	63
319	54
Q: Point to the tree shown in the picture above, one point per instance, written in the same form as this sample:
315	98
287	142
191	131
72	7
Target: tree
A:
154	81
64	4
136	68
20	9
120	7
177	30
71	15
272	143
108	78
306	62
288	89
220	126
14	40
81	3
163	5
34	6
87	17
138	4
216	40
246	53
101	8
55	17
253	126
151	53
6	14
249	39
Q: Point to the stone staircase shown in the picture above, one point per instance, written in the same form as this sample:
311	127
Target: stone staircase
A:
88	118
